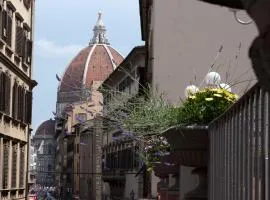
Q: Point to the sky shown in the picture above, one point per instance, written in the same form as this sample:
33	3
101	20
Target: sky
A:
62	29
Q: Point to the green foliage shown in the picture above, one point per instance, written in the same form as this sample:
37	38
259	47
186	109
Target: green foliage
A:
204	106
151	114
147	116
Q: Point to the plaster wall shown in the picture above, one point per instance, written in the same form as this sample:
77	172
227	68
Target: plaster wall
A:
187	35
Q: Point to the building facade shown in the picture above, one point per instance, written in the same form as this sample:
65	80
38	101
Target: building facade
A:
44	145
183	46
78	101
32	165
124	174
16	84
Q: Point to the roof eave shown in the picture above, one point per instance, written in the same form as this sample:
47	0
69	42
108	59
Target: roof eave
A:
237	4
134	51
144	6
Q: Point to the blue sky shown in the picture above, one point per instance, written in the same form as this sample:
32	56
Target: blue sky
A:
62	28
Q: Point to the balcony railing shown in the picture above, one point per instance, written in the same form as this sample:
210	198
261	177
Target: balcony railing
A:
239	160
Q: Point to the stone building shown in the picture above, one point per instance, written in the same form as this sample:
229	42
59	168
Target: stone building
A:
44	145
185	39
16	84
124	175
78	101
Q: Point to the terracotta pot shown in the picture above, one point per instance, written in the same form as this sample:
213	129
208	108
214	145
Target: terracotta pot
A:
189	145
162	170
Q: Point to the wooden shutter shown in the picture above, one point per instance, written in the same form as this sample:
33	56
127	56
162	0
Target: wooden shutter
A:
24	44
23	105
29	107
29	51
7	94
1	20
19	103
4	25
3	85
1	92
14	101
9	30
19	40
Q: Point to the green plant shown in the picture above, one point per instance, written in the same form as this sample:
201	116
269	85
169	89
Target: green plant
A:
204	106
151	114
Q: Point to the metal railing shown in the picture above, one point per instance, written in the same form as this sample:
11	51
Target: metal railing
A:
239	149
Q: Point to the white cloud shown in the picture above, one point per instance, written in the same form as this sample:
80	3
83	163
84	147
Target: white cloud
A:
46	47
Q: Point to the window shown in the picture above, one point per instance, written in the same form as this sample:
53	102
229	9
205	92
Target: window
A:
50	149
22	163
5	82
15	101
7	25
5	165
21	103
19	37
14	166
28	107
26	47
49	167
81	117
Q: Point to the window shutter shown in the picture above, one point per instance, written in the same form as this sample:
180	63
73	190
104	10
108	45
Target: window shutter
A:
19	103
14	101
1	92
29	107
4	25
7	95
29	51
1	21
23	105
3	85
9	30
24	47
19	40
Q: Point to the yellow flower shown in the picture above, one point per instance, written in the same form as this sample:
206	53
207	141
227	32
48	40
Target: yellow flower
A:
209	99
192	97
217	95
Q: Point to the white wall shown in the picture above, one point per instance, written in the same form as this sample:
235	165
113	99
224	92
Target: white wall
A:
187	35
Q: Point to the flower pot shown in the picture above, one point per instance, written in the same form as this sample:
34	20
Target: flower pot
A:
200	192
189	145
162	170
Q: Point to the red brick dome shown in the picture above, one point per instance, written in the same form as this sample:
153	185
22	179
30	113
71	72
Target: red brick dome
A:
93	63
46	128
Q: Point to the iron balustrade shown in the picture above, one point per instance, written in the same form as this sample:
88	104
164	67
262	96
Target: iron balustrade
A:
239	149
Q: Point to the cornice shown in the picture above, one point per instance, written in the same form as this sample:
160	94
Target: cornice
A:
17	71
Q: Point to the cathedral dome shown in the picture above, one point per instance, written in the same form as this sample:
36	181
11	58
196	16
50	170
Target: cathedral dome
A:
93	63
46	128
